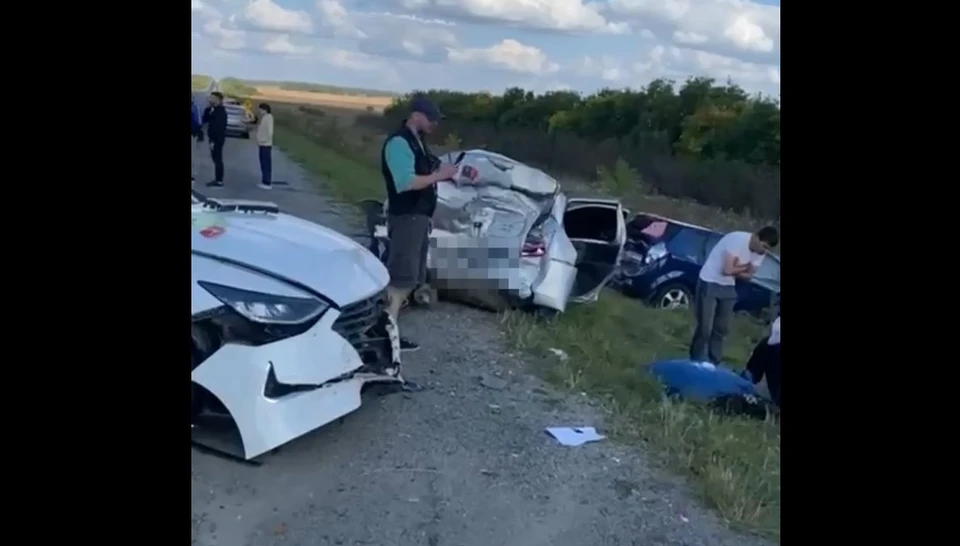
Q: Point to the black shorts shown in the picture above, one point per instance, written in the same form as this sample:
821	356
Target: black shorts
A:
407	257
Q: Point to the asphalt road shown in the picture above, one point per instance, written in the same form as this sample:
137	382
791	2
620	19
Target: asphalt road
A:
461	464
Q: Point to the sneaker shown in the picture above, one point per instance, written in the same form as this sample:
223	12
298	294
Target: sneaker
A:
407	345
265	186
215	184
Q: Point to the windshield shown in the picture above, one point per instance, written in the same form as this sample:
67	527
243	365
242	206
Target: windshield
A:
236	110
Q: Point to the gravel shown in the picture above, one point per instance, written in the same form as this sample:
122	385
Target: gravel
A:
466	462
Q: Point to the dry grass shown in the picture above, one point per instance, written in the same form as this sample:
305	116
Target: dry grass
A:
733	463
349	102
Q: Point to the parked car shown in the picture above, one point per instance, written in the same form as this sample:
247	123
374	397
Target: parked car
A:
662	259
509	238
238	121
289	323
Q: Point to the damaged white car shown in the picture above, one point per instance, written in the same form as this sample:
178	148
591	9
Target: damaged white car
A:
505	236
288	326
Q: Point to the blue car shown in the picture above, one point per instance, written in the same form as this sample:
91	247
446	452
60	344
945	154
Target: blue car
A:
662	259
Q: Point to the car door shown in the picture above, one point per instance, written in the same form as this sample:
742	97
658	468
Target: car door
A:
763	289
604	207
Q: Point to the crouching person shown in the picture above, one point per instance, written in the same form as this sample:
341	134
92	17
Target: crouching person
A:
765	362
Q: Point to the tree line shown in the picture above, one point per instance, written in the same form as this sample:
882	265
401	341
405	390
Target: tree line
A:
711	142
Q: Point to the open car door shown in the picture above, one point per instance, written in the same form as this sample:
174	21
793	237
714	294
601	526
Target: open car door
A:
597	229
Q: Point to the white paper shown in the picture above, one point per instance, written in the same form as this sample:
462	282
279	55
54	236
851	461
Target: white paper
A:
574	436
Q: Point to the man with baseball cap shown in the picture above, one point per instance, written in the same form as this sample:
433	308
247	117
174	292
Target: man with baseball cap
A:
411	174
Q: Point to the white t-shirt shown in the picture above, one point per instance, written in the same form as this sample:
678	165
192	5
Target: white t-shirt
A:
774	338
737	244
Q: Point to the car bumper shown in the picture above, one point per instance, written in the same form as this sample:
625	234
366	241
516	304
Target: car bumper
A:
237	130
282	390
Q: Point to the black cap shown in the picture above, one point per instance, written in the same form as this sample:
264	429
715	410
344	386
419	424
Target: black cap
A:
426	107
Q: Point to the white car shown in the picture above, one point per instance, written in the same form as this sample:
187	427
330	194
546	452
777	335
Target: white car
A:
289	323
505	236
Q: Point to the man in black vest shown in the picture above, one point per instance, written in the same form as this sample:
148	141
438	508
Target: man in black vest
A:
411	174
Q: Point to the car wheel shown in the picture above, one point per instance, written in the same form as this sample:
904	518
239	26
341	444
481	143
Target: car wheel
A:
673	296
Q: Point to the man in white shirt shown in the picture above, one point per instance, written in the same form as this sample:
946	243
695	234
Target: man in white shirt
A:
737	255
265	142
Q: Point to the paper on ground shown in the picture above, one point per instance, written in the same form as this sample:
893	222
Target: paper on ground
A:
574	436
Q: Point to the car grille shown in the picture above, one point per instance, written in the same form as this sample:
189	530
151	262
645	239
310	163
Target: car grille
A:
355	319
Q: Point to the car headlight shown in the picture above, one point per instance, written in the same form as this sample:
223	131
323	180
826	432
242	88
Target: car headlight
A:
631	264
267	308
656	252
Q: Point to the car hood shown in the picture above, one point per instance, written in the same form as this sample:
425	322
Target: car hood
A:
290	247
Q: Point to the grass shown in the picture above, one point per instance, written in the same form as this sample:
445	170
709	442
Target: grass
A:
732	463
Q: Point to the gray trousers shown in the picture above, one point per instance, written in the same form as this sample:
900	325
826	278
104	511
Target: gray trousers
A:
713	306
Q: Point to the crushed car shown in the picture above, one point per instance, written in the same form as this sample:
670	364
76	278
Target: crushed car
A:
288	325
505	237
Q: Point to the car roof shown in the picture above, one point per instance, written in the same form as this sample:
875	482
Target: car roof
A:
696	227
675	222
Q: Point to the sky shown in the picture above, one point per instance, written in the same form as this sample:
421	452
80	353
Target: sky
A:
489	45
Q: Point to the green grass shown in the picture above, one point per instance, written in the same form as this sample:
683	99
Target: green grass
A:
732	463
347	179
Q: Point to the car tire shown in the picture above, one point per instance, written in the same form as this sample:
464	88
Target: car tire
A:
246	136
672	296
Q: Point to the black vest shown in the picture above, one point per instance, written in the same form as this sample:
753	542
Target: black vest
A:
411	201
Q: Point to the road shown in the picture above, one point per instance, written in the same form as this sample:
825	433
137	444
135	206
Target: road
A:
460	464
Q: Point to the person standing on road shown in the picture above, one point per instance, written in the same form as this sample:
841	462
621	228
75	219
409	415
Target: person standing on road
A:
215	118
737	255
410	176
196	133
265	142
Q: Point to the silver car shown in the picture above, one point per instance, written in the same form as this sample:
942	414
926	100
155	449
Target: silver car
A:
237	121
504	236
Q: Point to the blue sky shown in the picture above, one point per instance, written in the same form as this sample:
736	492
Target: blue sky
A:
472	45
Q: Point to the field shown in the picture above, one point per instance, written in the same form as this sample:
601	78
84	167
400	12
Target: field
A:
348	102
733	463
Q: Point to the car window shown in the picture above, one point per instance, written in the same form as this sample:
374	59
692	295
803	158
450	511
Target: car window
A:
689	244
769	270
236	110
712	240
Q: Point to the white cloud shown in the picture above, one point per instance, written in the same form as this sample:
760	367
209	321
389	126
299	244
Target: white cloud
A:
737	28
267	15
508	54
281	45
474	44
560	15
224	37
680	63
336	21
353	60
606	68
